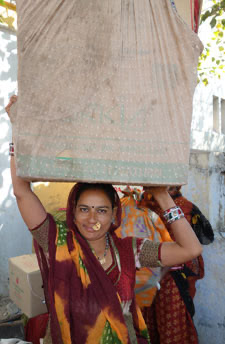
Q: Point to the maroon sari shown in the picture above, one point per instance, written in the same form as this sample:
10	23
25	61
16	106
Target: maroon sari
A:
83	305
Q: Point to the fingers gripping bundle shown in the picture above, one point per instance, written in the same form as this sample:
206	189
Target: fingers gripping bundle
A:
105	91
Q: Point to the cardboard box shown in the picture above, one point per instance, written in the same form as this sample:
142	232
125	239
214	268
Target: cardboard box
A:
26	286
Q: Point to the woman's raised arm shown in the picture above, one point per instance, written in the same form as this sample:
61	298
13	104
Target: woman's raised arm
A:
31	209
187	245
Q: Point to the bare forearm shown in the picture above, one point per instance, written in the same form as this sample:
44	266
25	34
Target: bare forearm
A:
187	245
31	209
185	236
20	186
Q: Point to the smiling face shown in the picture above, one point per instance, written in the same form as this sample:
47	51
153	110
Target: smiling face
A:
93	206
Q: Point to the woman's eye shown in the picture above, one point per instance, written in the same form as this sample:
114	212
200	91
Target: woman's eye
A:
102	211
84	210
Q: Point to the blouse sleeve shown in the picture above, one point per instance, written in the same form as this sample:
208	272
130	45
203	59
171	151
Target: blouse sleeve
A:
147	254
40	234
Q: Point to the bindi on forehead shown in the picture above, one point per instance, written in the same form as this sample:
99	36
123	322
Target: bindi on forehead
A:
93	206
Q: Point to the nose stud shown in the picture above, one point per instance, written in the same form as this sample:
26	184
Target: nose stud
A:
97	226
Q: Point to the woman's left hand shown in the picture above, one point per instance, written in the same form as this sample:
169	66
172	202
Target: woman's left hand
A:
155	190
12	100
161	195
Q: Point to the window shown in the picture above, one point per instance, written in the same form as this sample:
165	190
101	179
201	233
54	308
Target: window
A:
223	116
216	114
219	115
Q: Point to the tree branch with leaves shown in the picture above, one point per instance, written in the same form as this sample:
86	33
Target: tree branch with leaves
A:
212	60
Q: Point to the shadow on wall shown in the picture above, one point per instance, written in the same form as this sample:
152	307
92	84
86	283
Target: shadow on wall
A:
15	239
8	82
9	54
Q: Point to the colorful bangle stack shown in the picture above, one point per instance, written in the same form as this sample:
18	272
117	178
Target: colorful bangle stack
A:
173	214
11	149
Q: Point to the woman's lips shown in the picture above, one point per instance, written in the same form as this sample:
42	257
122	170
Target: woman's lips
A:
89	229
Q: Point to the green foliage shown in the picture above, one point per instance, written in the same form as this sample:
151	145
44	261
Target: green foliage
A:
7	20
216	10
212	60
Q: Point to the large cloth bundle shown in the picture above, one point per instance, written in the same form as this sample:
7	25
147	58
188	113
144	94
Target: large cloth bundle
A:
105	91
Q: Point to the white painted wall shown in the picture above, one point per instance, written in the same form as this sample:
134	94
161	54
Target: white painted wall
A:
14	237
203	137
206	188
206	185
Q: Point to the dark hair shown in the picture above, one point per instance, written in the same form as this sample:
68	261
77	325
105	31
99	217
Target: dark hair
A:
108	189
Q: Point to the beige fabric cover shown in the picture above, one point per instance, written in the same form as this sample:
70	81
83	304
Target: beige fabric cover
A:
186	8
105	91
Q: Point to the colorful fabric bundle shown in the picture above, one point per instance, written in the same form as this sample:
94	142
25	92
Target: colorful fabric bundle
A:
141	222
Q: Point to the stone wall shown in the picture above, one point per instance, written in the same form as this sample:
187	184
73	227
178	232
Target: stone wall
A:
206	188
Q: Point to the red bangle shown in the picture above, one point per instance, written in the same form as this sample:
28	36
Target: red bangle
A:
11	149
159	252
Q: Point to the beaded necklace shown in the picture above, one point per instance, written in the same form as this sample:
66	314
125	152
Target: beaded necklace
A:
102	260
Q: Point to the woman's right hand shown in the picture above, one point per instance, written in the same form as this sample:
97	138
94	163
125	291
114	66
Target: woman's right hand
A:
12	100
30	207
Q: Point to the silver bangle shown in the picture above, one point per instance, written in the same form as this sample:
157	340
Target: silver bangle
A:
173	214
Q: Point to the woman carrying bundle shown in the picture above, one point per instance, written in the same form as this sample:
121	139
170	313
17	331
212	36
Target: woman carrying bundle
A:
88	272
